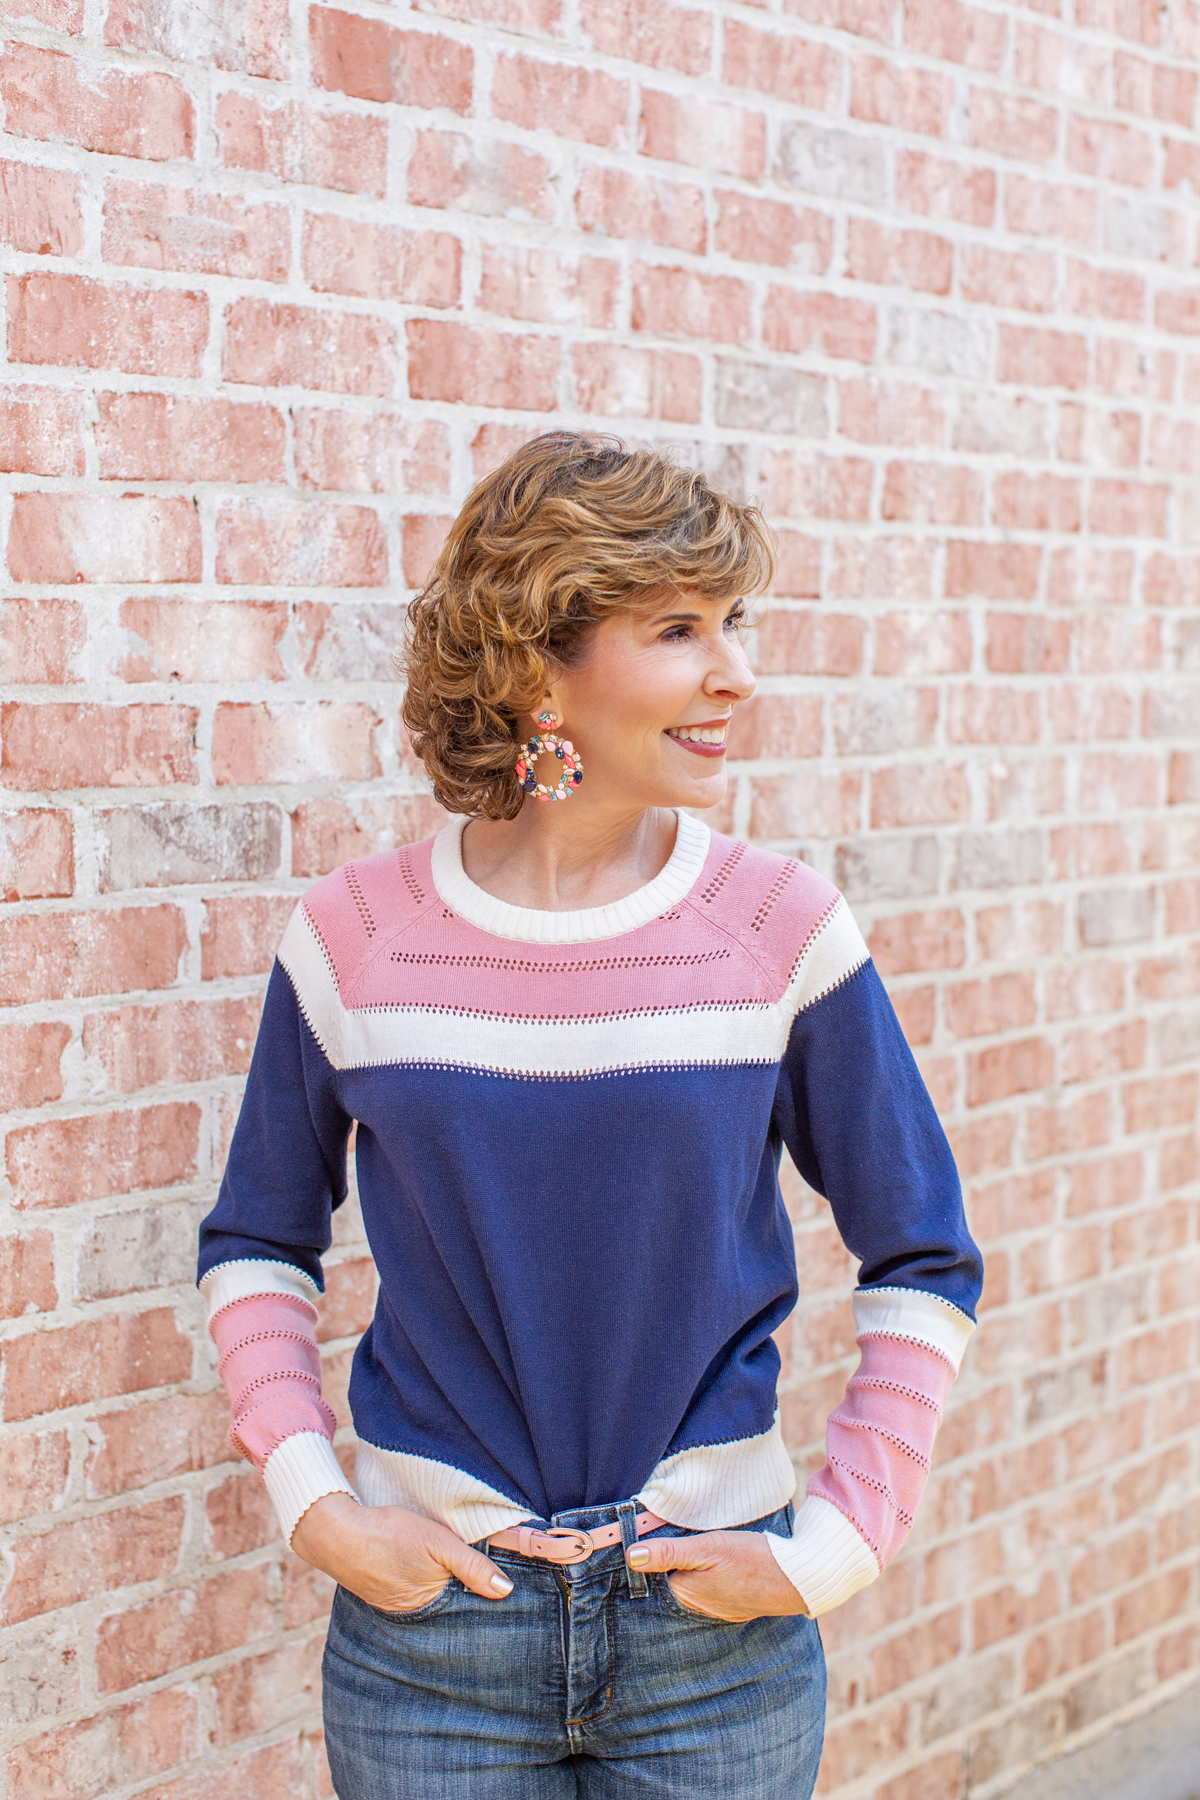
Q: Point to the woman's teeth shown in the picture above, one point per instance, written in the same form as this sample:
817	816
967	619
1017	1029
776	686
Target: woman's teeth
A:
690	734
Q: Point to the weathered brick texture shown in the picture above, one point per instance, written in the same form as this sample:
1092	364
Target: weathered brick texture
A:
282	280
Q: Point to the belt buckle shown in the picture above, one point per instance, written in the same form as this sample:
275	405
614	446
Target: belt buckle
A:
583	1540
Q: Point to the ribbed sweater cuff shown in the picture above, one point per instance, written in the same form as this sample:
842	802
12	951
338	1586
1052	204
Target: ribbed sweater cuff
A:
824	1559
299	1471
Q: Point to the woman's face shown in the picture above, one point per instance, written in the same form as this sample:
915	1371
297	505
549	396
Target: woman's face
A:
648	705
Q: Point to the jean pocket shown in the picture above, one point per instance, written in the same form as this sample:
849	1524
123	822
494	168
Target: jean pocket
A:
441	1600
675	1605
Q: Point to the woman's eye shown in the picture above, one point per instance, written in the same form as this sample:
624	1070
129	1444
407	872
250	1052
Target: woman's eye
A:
676	634
736	620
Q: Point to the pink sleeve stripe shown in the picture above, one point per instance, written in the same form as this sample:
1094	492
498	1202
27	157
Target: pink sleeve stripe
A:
269	1361
880	1439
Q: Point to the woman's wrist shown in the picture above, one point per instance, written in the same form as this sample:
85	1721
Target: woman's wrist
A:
325	1526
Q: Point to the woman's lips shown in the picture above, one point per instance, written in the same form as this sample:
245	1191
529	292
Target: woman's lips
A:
699	748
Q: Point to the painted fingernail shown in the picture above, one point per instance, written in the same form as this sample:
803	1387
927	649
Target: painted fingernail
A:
638	1557
501	1585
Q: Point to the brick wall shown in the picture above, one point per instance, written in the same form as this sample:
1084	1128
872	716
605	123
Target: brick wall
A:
282	279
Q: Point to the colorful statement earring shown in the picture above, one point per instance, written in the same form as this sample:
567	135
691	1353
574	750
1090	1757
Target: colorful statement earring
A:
544	743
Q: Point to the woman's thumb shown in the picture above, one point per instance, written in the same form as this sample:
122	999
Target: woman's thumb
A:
669	1553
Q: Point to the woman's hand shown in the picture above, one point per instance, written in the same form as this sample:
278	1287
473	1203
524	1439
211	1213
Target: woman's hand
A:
389	1557
730	1575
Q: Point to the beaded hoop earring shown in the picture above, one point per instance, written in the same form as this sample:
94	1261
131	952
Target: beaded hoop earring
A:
546	744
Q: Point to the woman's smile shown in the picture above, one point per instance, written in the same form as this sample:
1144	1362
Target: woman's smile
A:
707	739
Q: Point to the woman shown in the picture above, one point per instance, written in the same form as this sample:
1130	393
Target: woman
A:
575	1029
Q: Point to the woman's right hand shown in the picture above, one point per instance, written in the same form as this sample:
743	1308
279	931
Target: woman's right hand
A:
389	1557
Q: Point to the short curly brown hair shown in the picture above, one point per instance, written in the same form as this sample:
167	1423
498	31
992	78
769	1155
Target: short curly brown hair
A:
571	528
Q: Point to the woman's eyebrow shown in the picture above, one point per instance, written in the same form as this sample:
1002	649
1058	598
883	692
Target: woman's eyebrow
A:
667	618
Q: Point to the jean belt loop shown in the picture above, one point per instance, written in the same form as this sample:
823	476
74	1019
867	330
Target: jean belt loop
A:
627	1514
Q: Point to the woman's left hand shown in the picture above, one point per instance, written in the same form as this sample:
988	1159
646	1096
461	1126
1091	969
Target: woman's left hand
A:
730	1575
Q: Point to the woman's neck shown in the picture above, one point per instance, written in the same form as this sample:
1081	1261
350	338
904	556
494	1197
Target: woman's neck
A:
552	861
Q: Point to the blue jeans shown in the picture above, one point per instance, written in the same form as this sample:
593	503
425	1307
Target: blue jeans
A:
573	1685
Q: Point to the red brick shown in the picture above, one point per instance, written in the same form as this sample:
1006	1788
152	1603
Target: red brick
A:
1065	1126
448	169
186	1040
1118	1180
34	1475
380	262
241	932
1092	1055
31	1064
1035	784
202	640
912	259
68	955
375	453
374	61
40	209
797	69
63	745
631	207
61	99
932	494
915	942
828	323
1085	851
298	544
875	412
683	303
167	437
993	715
182	1627
65	1161
1048	209
45	1370
1012	1068
421	541
615	381
41	432
930	795
1041	358
806	643
327	833
800	485
776	725
301	144
941	189
983	1008
772	231
273	345
518	282
538	18
156	1439
1088	434
997	571
124	1744
319	740
1110	152
1035	502
484	368
96	537
36	855
252	38
204	234
27	1283
238	1516
1128	509
822	805
703	134
906	98
922	642
259	1692
1010	126
273	1773
84	324
1026	282
583	104
112	1550
955	33
649	31
1107	645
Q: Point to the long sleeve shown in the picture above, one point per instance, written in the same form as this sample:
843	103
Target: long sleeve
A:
260	1251
859	1124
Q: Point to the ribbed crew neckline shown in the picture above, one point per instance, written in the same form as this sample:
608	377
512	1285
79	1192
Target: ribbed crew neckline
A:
530	926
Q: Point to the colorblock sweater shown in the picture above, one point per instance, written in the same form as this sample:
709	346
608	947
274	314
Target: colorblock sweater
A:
569	1128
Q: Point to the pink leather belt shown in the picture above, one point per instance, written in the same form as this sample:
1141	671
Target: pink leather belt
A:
562	1544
